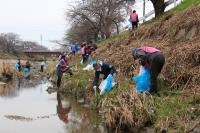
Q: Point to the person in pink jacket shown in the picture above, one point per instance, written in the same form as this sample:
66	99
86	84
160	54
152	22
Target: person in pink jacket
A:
62	67
134	19
153	59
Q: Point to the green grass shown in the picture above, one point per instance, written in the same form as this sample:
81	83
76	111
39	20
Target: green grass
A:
185	5
172	110
115	37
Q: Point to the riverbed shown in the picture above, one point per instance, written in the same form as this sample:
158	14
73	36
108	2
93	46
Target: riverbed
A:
26	107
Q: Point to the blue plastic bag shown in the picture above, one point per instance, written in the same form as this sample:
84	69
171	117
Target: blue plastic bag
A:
25	70
92	62
143	81
17	66
108	86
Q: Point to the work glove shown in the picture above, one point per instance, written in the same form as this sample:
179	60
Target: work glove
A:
95	90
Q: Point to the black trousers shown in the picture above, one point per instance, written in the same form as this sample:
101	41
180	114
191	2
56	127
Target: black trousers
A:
60	74
134	25
59	81
42	68
156	65
59	78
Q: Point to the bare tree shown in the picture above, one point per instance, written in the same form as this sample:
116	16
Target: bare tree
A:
96	16
11	43
8	41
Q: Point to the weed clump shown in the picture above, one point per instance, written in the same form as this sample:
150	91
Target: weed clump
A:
128	109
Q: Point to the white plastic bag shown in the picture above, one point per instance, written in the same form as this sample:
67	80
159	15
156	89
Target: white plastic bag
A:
141	70
103	84
89	67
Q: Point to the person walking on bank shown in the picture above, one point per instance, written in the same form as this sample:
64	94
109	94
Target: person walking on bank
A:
134	19
63	66
153	59
42	66
74	48
83	53
102	68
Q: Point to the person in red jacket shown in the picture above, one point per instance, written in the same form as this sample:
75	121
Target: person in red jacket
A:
153	59
134	19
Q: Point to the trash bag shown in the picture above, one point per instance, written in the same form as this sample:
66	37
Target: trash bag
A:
89	67
107	84
17	66
103	85
25	70
142	80
92	62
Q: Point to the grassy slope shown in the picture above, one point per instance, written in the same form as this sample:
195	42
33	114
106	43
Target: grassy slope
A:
185	5
171	108
181	7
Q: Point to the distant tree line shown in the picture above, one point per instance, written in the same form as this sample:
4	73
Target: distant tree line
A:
11	43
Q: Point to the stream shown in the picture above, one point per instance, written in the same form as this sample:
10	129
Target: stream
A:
26	107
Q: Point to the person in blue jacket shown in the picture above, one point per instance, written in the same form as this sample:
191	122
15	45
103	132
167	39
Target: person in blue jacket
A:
74	48
18	65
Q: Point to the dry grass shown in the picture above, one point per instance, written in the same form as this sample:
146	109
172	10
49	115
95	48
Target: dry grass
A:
51	69
127	109
177	36
7	70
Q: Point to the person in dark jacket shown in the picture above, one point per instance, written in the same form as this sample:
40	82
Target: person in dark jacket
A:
153	59
102	68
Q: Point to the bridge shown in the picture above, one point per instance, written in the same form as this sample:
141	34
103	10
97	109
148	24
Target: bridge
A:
35	52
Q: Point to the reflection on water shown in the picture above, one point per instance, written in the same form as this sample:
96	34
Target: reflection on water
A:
62	110
77	119
13	87
27	107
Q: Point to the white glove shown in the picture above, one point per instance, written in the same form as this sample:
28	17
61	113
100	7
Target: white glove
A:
94	87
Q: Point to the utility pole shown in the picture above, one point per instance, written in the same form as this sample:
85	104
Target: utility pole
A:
144	3
41	39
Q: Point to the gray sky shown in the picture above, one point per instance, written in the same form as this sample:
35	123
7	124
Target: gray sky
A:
33	18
